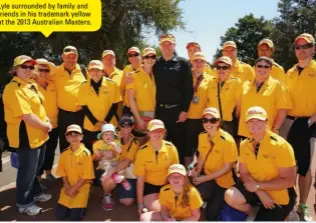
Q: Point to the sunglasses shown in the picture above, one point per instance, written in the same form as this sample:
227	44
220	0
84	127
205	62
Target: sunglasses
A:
126	124
133	55
263	66
303	47
211	120
44	70
150	57
23	66
222	67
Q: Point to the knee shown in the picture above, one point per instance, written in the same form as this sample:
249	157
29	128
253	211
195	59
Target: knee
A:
229	196
127	201
145	217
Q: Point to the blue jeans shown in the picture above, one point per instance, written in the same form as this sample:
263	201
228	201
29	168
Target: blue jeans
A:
27	185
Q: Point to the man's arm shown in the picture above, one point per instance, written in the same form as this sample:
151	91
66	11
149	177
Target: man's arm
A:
187	87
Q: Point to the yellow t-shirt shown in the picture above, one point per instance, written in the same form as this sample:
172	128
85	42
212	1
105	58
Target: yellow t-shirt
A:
101	147
22	98
173	203
274	153
75	166
224	150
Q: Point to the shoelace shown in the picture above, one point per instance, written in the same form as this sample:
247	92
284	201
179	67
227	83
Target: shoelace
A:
305	210
107	199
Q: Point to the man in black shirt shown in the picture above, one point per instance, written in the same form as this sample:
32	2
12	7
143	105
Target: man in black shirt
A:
173	79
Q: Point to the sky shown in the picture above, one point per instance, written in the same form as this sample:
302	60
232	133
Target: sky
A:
207	20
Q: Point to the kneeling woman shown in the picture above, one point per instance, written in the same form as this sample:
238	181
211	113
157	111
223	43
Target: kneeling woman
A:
267	171
180	201
151	166
217	154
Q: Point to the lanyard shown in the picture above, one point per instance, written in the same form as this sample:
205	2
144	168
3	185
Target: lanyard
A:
198	82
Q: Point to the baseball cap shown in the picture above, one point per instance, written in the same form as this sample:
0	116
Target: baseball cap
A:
212	111
42	61
177	168
97	64
108	52
70	50
224	59
22	59
155	124
133	49
256	112
266	41
73	128
106	128
126	119
229	43
199	55
193	44
167	38
306	36
148	50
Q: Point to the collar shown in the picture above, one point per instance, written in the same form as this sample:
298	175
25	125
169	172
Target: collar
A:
311	64
103	81
266	82
163	148
237	63
174	58
21	81
76	68
115	72
79	151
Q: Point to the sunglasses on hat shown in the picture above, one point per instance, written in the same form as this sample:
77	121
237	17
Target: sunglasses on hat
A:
24	67
303	47
126	124
209	120
133	55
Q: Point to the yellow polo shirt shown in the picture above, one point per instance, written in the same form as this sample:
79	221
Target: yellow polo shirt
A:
130	149
274	153
50	103
145	90
277	72
75	166
98	104
223	151
22	98
243	71
210	71
154	165
302	89
272	96
67	87
230	94
173	203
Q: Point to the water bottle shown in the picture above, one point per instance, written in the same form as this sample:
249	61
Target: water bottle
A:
126	184
117	178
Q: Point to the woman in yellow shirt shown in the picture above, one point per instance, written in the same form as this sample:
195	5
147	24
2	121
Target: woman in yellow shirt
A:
180	201
267	172
151	166
213	173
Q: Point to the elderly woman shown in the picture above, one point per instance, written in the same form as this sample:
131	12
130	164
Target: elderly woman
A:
27	129
267	172
266	92
224	94
217	154
151	166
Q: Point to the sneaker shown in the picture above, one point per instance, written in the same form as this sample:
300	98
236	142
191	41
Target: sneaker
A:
50	177
43	197
293	216
250	218
304	213
107	203
32	210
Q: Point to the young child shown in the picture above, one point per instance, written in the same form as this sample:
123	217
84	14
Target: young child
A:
76	169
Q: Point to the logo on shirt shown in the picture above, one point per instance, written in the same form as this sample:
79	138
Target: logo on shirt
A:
312	75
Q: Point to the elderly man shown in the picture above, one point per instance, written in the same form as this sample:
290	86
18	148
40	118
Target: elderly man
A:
67	79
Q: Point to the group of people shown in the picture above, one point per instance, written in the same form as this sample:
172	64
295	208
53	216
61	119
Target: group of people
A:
166	132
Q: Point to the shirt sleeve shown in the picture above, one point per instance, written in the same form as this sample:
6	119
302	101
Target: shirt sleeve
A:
163	200
238	90
82	96
283	99
284	156
230	154
116	94
242	152
187	88
131	153
139	167
250	73
18	102
88	173
195	199
60	170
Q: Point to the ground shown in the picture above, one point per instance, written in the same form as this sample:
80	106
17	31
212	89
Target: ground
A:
95	212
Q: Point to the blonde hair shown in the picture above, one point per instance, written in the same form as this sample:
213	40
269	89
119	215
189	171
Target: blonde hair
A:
186	193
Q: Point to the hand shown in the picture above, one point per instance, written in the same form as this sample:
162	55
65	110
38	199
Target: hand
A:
48	126
141	124
108	154
129	78
140	209
276	131
194	172
251	186
99	124
182	117
97	155
200	179
72	192
266	200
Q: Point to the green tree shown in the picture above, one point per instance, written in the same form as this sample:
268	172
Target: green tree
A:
123	22
247	33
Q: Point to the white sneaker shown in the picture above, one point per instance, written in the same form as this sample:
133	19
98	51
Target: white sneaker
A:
32	210
43	197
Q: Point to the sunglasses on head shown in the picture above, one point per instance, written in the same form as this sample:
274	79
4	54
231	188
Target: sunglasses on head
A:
150	57
133	55
44	70
222	67
211	120
263	66
303	47
126	124
23	66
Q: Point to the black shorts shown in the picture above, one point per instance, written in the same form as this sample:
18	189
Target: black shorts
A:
151	189
276	214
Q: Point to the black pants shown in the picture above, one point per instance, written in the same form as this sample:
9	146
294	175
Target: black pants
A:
175	131
89	138
51	145
193	128
66	118
71	214
213	194
27	185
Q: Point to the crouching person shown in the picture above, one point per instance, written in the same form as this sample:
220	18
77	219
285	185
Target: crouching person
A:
76	169
180	201
267	171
